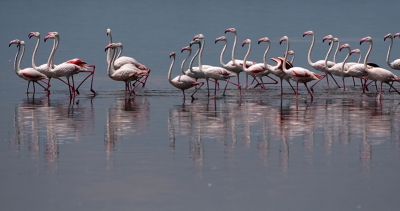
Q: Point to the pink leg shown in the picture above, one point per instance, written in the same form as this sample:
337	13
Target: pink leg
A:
335	80
312	87
91	84
344	85
201	84
312	97
239	87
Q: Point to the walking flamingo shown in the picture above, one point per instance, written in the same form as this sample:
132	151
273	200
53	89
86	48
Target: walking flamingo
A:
216	73
29	74
235	65
396	63
126	73
298	74
122	60
256	70
318	65
378	73
182	82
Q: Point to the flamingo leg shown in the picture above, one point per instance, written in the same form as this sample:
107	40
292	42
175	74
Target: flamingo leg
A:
291	86
282	86
91	84
226	85
275	81
312	87
215	90
363	85
354	82
239	87
390	84
312	97
208	88
201	84
27	89
262	83
184	97
344	85
297	89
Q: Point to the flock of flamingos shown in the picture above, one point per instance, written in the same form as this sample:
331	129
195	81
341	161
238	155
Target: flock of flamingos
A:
133	74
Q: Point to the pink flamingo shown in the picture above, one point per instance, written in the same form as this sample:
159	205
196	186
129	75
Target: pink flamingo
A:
318	65
298	74
378	73
182	82
216	73
396	63
66	69
126	73
29	74
122	60
256	70
235	65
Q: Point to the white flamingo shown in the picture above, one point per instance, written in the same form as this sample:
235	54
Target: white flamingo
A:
377	73
182	82
396	63
67	69
235	65
126	73
319	65
122	60
29	74
216	73
256	70
298	74
336	40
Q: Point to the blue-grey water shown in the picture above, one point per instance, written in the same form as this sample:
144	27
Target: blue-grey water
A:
153	151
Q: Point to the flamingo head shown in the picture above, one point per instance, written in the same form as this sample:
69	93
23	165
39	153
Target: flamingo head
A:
366	39
33	34
199	36
284	38
290	52
195	41
396	35
222	38
346	45
355	51
246	41
172	55
308	33
264	39
16	41
387	36
111	45
77	62
51	35
327	37
186	48
232	30
108	31
335	39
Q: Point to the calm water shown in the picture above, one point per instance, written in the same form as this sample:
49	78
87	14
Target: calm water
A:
154	152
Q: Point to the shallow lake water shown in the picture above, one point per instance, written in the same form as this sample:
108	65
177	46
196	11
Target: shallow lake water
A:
152	151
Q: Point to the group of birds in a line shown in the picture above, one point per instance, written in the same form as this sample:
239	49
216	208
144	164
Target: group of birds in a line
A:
132	73
120	68
283	69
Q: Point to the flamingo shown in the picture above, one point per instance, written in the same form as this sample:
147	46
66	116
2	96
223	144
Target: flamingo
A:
66	69
396	63
257	70
193	72
299	74
336	40
216	73
277	69
122	60
29	74
126	73
182	82
234	65
378	73
318	65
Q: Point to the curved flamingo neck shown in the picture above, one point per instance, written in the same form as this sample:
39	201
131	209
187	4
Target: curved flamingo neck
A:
291	61
327	56
193	58
16	67
367	55
50	63
120	51
109	50
234	48
265	57
201	55
309	51
345	60
246	56
389	50
20	58
34	53
170	68
222	55
111	63
336	52
285	56
184	61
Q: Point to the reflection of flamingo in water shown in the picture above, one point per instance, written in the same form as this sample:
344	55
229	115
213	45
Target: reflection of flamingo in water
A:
68	68
182	82
298	74
29	74
122	60
126	73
